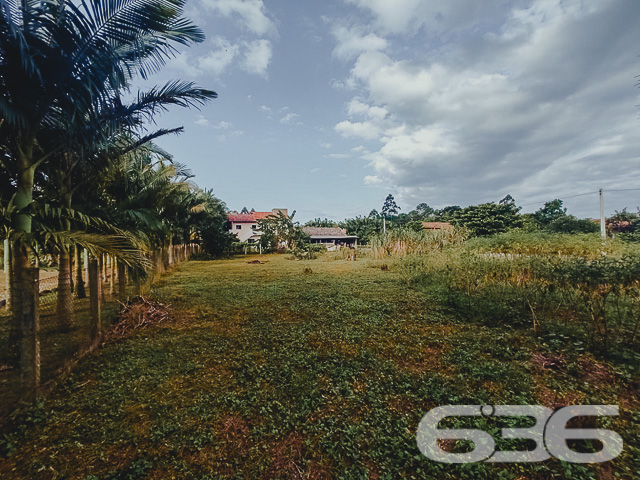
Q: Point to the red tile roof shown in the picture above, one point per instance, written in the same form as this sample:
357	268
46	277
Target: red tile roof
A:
435	225
248	217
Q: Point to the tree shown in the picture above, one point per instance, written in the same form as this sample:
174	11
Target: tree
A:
278	231
424	210
506	200
363	227
244	211
318	222
60	62
571	224
488	218
389	208
551	211
447	214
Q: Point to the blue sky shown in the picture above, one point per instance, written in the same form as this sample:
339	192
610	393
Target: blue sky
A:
326	107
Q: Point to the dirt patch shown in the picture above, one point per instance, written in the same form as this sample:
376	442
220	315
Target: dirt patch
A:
553	399
548	361
426	359
595	372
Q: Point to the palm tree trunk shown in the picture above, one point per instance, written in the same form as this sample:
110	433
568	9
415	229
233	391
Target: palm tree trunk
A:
28	298
64	308
24	278
13	349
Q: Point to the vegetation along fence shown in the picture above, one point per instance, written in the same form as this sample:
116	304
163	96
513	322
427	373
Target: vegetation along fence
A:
73	307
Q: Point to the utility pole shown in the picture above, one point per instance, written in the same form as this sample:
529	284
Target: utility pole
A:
603	231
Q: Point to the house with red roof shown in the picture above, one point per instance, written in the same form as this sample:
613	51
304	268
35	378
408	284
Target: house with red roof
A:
245	225
436	225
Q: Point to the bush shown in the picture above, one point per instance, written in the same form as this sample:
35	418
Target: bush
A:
544	243
570	224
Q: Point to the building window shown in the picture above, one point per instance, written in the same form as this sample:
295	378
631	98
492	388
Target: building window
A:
253	227
251	240
238	227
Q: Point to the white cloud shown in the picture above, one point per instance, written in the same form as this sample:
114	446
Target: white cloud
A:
290	119
514	100
257	56
372	180
366	130
201	120
326	145
215	62
408	16
221	125
251	13
353	41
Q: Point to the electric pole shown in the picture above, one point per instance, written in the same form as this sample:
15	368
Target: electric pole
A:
603	231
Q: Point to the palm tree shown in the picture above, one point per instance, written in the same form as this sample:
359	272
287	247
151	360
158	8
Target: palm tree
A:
60	63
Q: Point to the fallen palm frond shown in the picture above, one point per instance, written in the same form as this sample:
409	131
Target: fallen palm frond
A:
139	313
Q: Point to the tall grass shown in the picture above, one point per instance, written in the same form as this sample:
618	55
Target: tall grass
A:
596	296
400	243
586	245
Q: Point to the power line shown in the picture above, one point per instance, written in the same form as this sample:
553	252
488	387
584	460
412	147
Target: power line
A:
621	190
564	198
584	194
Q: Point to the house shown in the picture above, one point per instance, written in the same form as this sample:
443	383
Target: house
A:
245	225
436	225
331	236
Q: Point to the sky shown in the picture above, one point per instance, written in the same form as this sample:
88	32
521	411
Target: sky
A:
326	107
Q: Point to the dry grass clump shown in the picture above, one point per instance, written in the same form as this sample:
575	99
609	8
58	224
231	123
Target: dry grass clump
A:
400	243
140	312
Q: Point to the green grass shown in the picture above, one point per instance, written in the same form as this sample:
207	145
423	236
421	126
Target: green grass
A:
265	371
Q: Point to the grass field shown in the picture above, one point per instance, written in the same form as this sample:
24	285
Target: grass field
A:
268	371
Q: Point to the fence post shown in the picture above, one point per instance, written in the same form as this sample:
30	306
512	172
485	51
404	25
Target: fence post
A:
94	299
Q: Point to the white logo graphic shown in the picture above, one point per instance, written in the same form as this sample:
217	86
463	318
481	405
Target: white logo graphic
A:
549	433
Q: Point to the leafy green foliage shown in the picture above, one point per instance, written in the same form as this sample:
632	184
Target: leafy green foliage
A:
488	218
570	224
278	374
280	232
390	208
364	227
319	222
551	211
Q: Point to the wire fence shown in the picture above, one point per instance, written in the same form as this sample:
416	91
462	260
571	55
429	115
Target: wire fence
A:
67	313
